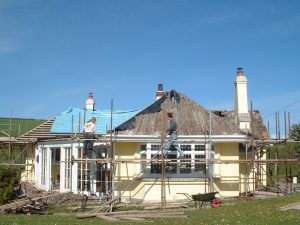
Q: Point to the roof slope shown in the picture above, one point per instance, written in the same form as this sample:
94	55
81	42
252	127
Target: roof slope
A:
40	132
60	127
72	120
259	129
192	118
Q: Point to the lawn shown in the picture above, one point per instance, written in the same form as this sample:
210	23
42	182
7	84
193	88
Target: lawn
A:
243	212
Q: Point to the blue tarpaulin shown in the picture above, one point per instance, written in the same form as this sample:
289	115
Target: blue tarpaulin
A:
63	122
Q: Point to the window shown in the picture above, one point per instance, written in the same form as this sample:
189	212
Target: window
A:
55	155
155	147
68	167
200	164
143	152
186	147
185	165
191	165
43	165
199	147
155	154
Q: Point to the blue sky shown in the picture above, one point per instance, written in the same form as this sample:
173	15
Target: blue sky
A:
53	53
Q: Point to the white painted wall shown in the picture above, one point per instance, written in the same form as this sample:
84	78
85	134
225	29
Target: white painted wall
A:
241	101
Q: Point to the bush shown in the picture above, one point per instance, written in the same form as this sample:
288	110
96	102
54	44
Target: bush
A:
9	179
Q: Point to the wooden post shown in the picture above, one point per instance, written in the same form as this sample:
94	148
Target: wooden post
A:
112	172
163	172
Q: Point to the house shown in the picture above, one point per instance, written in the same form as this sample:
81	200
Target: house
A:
127	156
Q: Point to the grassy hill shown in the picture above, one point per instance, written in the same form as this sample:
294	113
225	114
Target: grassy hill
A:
19	126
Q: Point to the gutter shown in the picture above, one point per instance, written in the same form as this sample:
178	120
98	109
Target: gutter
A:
181	138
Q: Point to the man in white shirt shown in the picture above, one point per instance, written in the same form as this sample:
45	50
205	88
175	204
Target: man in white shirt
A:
88	135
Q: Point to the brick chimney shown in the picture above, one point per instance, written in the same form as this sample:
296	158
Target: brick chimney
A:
90	103
241	100
160	91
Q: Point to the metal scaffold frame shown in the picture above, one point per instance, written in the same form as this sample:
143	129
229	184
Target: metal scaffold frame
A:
110	162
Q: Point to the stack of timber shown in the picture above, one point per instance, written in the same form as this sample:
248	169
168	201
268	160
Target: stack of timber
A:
31	205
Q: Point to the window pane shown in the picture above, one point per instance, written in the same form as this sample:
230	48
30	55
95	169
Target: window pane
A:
199	147
200	166
155	147
143	147
186	147
185	165
155	167
67	168
171	167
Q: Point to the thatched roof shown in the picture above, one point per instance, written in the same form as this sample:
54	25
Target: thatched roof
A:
192	118
259	129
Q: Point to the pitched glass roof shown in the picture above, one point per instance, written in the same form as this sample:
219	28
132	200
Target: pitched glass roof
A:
72	120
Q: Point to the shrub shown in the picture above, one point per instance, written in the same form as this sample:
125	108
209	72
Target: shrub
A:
9	179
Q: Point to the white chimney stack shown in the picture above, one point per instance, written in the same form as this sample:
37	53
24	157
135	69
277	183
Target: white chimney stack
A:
160	91
90	103
241	100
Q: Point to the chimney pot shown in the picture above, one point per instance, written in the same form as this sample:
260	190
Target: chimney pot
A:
160	87
160	91
240	71
90	103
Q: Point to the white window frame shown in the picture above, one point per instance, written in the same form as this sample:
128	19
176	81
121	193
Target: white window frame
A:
146	152
67	168
43	166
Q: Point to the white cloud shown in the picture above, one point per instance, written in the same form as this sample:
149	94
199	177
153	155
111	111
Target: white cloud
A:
216	19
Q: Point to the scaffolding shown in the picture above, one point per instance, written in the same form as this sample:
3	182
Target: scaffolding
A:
102	168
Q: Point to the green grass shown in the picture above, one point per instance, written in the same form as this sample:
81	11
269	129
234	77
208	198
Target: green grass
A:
244	212
18	127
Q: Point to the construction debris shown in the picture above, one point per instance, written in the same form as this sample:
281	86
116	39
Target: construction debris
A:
29	200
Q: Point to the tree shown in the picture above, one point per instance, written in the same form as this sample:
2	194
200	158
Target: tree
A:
295	132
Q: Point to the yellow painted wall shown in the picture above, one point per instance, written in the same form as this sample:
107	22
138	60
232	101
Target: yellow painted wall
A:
253	175
127	151
150	189
227	179
28	173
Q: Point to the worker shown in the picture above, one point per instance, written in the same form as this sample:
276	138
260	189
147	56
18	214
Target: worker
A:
88	135
172	140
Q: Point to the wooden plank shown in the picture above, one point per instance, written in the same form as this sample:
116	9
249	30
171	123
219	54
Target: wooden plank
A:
289	205
155	216
127	217
167	207
108	218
